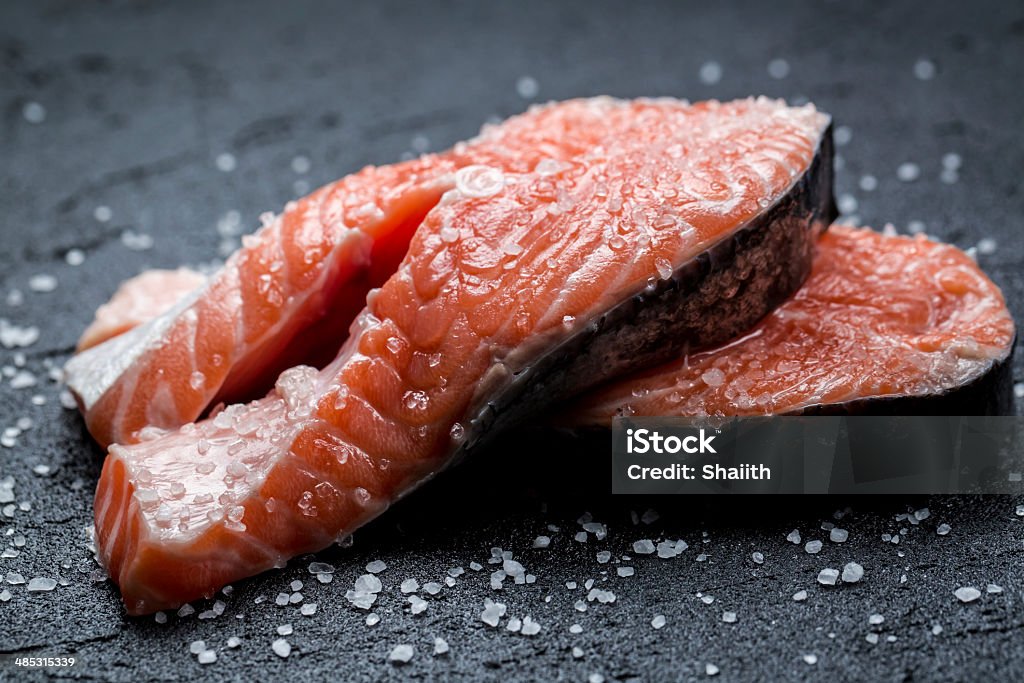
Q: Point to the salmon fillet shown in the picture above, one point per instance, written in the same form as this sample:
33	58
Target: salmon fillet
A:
290	293
883	323
673	227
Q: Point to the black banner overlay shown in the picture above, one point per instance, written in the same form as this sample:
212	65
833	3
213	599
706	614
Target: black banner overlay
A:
842	455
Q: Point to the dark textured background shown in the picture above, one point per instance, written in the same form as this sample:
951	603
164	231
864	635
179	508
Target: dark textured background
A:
141	98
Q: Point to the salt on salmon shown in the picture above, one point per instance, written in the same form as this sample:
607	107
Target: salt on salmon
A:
290	293
677	227
885	324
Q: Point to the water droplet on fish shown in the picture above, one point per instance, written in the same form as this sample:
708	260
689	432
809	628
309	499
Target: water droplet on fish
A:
415	400
457	432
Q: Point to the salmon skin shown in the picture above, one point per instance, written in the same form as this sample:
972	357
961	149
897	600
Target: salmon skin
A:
884	325
518	289
290	293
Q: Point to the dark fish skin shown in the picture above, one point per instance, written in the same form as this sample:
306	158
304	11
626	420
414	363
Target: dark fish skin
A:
714	297
991	393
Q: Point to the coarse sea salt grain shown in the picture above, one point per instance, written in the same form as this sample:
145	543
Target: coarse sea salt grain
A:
800	596
967	593
794	537
281	647
643	547
924	69
778	68
908	172
401	654
710	73
658	621
527	87
813	547
828	576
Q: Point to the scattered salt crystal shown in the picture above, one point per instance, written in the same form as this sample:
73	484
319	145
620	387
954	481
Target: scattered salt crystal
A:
908	172
493	612
225	162
410	586
993	588
185	610
42	583
542	542
872	638
207	657
417	604
603	557
15	579
987	246
440	646
813	547
5	595
530	627
800	596
372	619
710	73
758	557
794	537
711	669
433	588
309	609
33	112
196	646
376	567
320	568
943	529
581	536
575	628
625	571
643	547
828	577
846	203
967	594
658	621
136	241
707	599
924	69
281	647
876	619
936	629
368	583
811	659
527	87
778	68
729	617
301	164
837	535
234	641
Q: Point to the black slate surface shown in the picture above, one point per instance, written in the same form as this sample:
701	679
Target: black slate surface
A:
141	98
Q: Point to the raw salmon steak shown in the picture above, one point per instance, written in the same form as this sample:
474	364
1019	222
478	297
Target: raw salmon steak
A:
674	227
885	324
138	300
290	293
